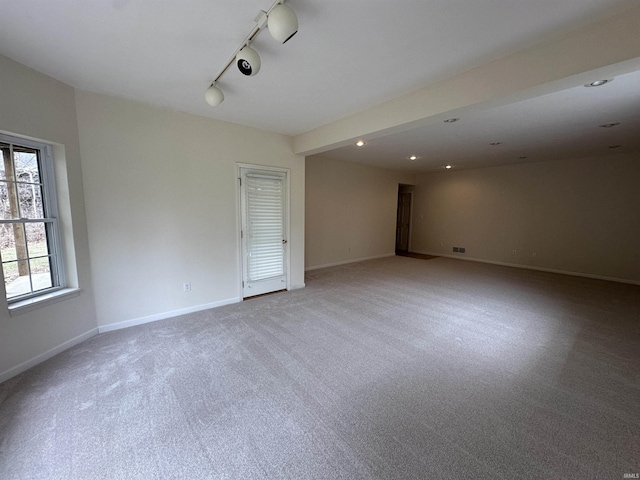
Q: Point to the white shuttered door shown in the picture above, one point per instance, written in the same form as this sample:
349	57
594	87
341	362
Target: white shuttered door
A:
263	235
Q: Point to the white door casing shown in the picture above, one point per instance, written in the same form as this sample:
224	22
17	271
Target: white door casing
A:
264	244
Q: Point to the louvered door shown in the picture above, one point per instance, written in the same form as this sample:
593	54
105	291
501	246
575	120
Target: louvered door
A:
263	231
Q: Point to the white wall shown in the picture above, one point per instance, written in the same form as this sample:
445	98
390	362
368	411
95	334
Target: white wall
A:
351	211
577	215
161	195
36	106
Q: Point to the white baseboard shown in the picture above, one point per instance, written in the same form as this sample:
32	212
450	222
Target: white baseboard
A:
531	267
335	264
13	371
161	316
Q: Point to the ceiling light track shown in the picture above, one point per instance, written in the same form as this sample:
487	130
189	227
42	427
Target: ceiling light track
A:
282	23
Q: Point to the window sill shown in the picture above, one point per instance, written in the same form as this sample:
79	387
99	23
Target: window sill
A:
31	304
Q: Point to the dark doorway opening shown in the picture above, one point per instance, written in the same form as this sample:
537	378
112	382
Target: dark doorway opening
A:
403	223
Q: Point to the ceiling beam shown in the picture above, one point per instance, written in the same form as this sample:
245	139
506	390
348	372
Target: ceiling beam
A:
602	49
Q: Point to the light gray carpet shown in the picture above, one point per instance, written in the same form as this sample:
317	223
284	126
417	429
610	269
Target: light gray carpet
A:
395	368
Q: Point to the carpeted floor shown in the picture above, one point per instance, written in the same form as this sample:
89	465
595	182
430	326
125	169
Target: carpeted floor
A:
395	368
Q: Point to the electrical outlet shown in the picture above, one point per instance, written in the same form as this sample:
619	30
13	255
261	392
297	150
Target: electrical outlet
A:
456	249
461	249
514	252
186	286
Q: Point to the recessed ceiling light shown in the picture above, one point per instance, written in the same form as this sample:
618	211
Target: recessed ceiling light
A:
413	157
495	143
609	125
448	167
598	83
451	120
360	143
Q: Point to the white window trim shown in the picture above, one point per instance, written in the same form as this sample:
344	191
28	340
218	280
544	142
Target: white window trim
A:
48	298
59	290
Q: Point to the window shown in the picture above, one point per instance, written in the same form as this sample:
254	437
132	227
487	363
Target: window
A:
29	245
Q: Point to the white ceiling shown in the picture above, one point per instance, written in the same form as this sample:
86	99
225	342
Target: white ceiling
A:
564	124
347	56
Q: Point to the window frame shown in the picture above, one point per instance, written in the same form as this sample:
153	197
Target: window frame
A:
50	219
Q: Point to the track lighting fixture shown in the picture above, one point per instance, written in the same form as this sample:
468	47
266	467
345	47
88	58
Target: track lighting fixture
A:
214	95
248	61
282	23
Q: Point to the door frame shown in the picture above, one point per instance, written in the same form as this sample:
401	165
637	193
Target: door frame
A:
287	221
410	192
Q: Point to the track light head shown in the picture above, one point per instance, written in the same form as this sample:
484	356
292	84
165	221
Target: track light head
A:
213	95
282	23
248	61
